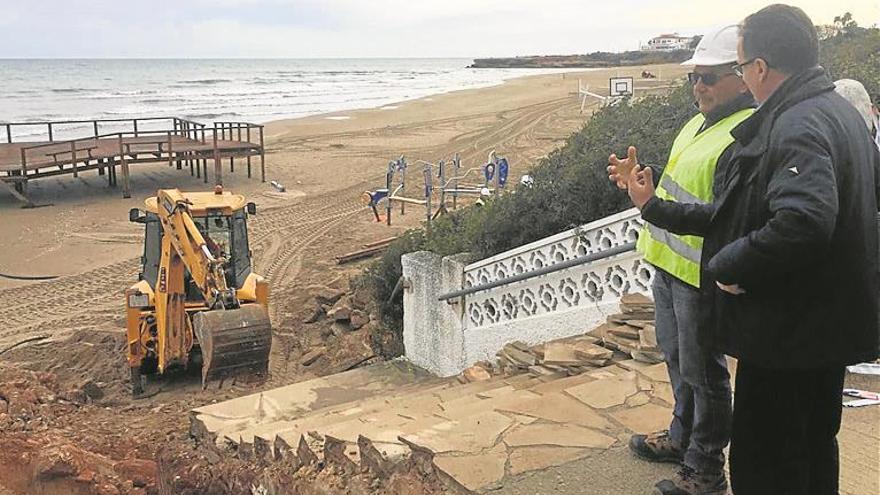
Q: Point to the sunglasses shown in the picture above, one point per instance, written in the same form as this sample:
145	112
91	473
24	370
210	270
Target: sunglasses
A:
708	78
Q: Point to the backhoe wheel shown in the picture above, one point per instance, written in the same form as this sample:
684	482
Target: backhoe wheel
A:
137	382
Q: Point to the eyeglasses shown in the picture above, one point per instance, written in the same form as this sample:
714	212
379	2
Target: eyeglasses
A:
738	68
708	78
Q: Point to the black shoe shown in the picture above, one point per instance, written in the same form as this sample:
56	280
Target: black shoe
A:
690	482
656	447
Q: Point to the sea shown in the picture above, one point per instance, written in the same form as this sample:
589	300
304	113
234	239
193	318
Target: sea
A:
210	90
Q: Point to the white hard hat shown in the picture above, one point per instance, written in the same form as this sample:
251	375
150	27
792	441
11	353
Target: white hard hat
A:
718	47
485	192
854	92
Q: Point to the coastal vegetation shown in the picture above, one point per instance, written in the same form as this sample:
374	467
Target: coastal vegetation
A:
852	52
570	185
589	60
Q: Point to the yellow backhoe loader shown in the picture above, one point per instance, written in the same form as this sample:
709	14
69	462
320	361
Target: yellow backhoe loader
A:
197	302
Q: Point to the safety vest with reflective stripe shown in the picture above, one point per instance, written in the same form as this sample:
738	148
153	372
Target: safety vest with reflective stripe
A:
688	178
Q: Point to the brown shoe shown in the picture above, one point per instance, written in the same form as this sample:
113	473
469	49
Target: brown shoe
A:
690	482
656	447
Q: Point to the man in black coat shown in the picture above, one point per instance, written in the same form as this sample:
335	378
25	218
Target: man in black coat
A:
790	258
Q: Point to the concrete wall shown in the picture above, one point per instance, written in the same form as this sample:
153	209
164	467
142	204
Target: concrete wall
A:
432	330
447	338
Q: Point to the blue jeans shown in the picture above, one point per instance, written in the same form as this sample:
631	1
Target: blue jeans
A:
700	382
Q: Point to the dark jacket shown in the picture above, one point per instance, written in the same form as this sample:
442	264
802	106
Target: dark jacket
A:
795	226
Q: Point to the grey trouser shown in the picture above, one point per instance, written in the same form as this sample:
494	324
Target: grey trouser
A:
700	382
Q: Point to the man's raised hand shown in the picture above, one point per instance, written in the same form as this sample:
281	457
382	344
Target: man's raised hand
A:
640	185
619	170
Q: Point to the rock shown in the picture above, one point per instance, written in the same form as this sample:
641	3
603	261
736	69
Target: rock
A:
476	374
648	337
312	356
316	314
141	472
326	332
339	329
560	353
86	476
636	303
358	319
58	466
329	295
92	390
625	331
360	298
340	313
75	395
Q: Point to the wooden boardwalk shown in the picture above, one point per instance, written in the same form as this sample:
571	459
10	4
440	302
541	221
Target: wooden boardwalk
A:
182	144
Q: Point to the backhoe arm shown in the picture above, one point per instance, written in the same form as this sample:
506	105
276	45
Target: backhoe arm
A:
188	242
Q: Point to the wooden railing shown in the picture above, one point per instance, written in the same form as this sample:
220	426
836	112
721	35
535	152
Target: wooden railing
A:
80	149
96	123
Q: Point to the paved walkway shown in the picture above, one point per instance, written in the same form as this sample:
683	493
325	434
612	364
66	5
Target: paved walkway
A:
617	472
521	434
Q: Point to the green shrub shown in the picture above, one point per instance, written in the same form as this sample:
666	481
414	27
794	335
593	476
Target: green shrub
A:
854	53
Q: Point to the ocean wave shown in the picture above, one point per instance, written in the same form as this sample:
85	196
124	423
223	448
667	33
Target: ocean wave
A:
71	90
212	115
204	81
206	90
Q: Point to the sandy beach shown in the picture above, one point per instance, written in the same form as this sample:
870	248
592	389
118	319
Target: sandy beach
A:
319	159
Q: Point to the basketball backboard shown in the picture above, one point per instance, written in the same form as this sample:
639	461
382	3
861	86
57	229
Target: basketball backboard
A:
620	86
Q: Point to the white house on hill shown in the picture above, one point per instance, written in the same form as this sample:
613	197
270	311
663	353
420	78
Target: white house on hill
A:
667	42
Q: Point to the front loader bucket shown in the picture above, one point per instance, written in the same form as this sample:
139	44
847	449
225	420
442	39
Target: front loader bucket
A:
233	341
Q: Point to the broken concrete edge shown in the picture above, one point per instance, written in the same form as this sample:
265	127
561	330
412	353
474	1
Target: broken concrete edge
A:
422	461
336	454
378	463
304	453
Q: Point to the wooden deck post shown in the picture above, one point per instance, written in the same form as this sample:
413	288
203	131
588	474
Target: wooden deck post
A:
73	157
96	127
135	128
205	170
248	137
171	151
50	132
8	133
126	186
218	167
231	164
24	171
262	158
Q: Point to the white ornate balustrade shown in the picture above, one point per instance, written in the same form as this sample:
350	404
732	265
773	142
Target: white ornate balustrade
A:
446	338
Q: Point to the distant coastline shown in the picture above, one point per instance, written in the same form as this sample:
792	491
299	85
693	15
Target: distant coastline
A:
589	60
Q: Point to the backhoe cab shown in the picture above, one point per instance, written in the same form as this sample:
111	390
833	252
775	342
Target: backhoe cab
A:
197	301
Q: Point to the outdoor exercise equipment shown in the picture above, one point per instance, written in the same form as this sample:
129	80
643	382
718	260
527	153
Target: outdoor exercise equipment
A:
391	194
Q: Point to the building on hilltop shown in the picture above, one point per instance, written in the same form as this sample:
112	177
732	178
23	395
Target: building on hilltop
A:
668	42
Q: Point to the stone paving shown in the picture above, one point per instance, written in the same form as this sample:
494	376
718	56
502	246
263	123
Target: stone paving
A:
474	435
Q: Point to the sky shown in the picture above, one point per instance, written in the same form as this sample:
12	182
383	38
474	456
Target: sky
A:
366	28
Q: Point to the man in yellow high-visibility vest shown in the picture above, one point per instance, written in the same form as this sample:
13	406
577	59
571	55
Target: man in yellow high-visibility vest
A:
700	426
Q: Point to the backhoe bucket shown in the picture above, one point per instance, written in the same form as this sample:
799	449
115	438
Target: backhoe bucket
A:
233	341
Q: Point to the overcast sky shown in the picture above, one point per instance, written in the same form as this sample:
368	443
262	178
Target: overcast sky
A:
366	28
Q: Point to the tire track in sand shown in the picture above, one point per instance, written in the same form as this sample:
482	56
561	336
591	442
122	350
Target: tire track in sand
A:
93	299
